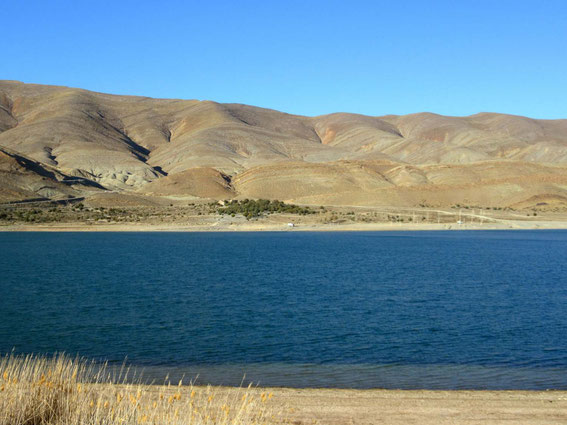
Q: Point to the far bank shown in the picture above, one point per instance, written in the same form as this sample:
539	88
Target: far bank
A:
260	226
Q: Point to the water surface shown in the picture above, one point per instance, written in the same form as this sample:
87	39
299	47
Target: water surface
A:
362	309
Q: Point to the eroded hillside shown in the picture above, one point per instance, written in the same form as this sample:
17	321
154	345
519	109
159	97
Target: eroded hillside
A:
59	142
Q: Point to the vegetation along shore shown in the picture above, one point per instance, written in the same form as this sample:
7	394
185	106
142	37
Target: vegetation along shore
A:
63	390
101	214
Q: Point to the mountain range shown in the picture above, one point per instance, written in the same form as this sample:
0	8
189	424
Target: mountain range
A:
59	142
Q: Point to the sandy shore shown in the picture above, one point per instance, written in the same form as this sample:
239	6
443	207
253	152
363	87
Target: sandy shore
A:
275	227
364	407
425	407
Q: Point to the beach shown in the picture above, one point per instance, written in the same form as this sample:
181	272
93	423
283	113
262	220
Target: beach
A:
62	389
277	227
399	407
362	407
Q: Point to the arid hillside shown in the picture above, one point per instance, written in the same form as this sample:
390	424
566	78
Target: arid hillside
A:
58	142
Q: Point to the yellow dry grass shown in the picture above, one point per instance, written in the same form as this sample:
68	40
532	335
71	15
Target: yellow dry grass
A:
60	390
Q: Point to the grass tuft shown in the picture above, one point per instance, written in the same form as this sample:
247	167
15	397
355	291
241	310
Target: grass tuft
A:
60	390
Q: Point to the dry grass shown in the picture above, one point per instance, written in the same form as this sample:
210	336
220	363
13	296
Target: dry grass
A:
59	390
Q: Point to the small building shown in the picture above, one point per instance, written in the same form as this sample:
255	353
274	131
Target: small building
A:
290	225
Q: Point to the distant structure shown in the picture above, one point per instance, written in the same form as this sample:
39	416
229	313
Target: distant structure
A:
290	225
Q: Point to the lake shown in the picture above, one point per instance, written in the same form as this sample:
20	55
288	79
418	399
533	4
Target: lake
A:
437	310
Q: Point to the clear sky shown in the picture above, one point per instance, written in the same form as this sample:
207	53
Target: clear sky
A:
305	57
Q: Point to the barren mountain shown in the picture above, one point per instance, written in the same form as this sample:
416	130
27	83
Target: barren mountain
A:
58	142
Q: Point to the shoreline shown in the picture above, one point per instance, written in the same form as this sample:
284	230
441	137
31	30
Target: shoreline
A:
277	227
427	407
424	406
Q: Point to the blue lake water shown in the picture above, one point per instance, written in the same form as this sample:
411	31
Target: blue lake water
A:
479	310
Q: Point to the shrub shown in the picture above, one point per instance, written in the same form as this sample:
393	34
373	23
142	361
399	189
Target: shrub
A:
255	208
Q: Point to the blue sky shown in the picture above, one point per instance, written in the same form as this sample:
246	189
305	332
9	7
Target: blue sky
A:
303	57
